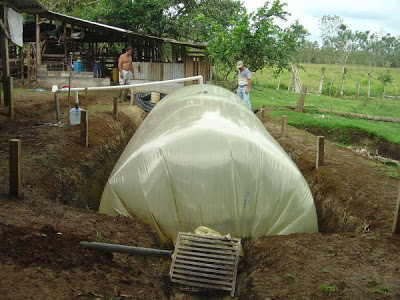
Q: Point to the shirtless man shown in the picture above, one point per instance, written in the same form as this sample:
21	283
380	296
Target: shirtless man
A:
125	68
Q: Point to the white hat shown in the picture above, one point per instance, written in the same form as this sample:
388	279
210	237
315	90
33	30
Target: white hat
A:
239	64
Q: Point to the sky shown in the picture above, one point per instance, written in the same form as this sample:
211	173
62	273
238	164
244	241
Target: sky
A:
374	15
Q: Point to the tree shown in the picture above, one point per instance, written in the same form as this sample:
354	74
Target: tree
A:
385	77
257	40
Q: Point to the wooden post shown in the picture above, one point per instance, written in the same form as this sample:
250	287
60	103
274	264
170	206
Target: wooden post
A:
28	64
133	95
22	63
11	104
320	152
396	223
65	45
263	113
38	42
15	168
300	103
284	125
84	128
115	108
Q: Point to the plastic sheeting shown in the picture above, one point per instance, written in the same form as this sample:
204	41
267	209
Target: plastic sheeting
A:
205	159
15	26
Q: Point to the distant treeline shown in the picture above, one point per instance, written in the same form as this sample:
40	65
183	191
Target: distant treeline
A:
341	45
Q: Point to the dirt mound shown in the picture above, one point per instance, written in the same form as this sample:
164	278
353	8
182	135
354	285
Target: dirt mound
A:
317	266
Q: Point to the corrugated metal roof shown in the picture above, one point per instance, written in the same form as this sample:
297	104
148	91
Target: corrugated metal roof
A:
24	5
77	21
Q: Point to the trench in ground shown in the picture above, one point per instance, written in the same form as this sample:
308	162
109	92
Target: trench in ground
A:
331	218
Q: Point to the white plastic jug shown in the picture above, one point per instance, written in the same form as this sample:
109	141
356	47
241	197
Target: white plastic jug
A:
75	116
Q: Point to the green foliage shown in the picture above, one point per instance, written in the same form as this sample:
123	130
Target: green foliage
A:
384	289
339	127
385	77
328	289
311	76
257	40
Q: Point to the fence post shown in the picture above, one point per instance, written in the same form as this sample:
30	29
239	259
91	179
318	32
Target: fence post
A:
302	98
84	128
15	168
396	223
320	152
133	95
115	108
284	125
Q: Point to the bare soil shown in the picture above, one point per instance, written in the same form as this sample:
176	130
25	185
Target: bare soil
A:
354	256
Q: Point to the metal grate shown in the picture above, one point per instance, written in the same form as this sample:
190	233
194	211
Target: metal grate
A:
205	262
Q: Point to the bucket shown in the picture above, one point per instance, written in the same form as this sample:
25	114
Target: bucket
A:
115	75
78	66
96	70
155	97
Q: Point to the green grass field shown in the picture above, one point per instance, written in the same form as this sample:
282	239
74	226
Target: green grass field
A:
280	101
310	75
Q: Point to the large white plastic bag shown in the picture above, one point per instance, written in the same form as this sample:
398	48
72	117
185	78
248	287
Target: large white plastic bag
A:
205	159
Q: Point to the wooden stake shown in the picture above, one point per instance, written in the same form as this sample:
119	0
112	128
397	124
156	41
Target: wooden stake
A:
320	152
284	125
302	98
263	113
115	108
84	128
396	223
133	95
15	168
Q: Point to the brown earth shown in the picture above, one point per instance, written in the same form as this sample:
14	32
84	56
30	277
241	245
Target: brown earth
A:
354	258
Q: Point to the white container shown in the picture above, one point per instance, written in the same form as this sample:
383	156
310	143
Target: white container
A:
75	116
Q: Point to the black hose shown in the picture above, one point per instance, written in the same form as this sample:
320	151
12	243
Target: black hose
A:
143	101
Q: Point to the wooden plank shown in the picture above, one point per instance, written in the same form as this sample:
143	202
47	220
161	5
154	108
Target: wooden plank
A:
202	264
205	270
202	285
206	250
212	282
223	238
396	223
211	241
15	168
201	254
84	128
208	246
203	274
205	260
235	275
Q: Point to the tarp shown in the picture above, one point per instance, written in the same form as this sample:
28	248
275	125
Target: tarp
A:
205	159
15	26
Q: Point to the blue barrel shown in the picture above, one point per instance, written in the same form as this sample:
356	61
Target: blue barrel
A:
78	66
96	70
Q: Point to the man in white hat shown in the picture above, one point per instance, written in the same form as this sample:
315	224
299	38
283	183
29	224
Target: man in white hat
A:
244	81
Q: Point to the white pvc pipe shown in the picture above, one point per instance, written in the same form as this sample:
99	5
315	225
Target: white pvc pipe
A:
55	88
